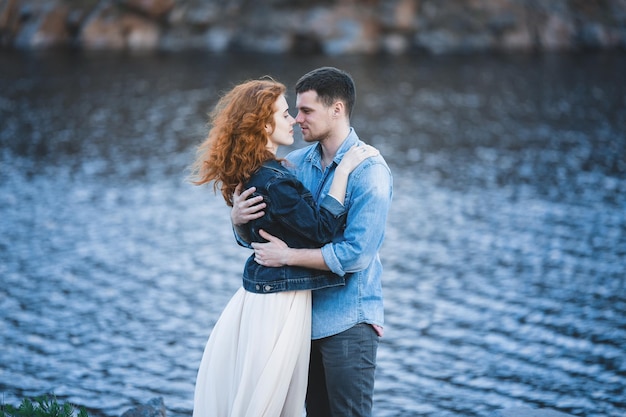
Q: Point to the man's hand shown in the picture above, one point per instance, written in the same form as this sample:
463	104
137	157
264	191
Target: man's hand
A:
273	253
244	208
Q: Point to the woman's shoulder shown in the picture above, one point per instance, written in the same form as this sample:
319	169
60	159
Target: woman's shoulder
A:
273	168
274	164
270	171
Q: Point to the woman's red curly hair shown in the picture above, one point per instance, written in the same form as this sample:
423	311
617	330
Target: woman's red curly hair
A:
236	145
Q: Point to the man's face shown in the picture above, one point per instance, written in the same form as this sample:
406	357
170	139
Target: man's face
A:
314	119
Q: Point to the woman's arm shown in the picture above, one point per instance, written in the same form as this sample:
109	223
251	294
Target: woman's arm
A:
361	239
276	252
247	208
292	205
349	162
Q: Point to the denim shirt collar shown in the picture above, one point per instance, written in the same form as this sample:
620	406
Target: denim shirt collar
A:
315	157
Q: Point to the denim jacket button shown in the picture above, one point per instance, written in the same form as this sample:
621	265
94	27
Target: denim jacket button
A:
268	288
258	287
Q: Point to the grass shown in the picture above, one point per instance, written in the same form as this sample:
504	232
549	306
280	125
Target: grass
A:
43	406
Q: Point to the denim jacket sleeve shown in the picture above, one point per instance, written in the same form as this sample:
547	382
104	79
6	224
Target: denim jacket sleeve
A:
240	240
292	205
369	198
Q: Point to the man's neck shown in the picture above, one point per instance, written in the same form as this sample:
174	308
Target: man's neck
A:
331	145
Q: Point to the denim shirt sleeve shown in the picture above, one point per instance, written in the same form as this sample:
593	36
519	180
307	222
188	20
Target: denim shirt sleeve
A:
369	193
293	205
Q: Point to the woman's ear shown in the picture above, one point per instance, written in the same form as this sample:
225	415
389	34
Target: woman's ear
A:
268	129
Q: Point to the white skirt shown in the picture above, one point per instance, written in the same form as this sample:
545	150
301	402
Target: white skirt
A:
256	361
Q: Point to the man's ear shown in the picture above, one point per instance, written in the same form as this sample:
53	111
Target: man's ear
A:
338	108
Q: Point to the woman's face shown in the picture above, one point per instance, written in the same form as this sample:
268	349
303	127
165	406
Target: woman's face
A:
283	130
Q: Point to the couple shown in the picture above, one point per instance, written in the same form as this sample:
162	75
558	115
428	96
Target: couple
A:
278	345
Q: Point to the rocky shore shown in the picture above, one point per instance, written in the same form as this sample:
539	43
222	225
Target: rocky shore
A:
319	26
156	408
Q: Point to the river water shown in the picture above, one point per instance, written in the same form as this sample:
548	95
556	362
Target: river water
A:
505	254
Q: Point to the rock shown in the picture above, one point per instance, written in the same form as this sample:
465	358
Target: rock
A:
342	29
398	16
152	8
110	28
195	15
320	26
195	25
451	26
395	44
47	29
593	35
557	33
9	21
102	30
267	30
140	33
519	39
529	412
153	408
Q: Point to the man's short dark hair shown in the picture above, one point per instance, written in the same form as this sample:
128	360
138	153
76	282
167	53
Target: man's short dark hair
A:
330	84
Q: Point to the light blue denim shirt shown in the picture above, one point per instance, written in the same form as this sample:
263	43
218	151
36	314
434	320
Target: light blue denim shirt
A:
354	251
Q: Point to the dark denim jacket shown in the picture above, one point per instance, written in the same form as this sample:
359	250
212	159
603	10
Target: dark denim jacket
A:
293	216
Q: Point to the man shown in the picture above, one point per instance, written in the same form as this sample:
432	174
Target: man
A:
348	320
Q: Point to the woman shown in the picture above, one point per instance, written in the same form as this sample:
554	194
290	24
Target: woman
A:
256	360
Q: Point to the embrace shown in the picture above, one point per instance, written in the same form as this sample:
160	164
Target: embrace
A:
303	330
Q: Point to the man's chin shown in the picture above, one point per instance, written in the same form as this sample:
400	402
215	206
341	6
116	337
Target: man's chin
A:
309	138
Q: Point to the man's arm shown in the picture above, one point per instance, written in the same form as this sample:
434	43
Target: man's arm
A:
365	224
244	210
363	234
276	253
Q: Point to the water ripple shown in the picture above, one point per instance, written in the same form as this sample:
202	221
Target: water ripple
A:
504	254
